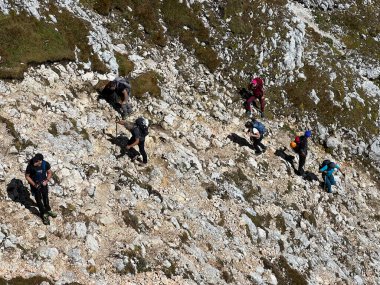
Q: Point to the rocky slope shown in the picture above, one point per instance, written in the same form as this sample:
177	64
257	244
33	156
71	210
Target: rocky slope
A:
205	210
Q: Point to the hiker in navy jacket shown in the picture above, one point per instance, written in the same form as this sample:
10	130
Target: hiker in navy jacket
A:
38	174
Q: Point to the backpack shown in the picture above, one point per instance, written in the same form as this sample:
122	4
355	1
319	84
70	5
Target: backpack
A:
123	81
39	177
260	127
326	162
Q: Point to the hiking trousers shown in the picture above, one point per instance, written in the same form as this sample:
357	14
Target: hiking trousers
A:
42	199
123	109
141	149
329	181
257	144
301	164
252	100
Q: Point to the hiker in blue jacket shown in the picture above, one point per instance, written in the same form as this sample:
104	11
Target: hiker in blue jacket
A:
38	174
328	168
256	131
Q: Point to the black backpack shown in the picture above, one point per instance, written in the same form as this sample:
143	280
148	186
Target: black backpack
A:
326	162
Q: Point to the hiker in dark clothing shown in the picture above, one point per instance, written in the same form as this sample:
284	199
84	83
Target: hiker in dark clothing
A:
256	132
117	93
327	168
256	90
38	174
301	149
139	132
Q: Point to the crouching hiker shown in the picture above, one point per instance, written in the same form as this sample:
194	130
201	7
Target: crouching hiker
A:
139	132
327	168
256	131
38	174
117	93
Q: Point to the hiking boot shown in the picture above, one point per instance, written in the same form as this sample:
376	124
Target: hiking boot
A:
45	219
52	214
262	115
264	149
258	152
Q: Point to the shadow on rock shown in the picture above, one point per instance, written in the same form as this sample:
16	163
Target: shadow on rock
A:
239	140
287	157
18	192
122	142
309	176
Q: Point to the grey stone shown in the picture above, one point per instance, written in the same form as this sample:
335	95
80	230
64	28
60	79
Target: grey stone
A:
92	243
80	229
75	255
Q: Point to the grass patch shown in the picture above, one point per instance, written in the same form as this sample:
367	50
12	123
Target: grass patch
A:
358	116
146	83
183	22
36	280
25	40
19	143
125	65
238	177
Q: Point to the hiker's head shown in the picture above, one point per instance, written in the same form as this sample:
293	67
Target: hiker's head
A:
37	159
308	134
254	82
113	85
248	124
332	164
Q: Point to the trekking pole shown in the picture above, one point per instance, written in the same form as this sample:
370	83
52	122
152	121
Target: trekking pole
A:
114	148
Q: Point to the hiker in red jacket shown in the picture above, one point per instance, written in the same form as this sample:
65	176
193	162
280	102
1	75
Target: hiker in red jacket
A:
256	88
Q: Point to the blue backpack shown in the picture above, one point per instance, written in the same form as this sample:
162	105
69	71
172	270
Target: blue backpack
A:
260	127
41	176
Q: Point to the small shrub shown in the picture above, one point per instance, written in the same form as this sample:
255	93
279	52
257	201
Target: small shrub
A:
309	217
141	263
211	189
131	220
53	129
227	276
91	269
19	143
280	223
184	237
